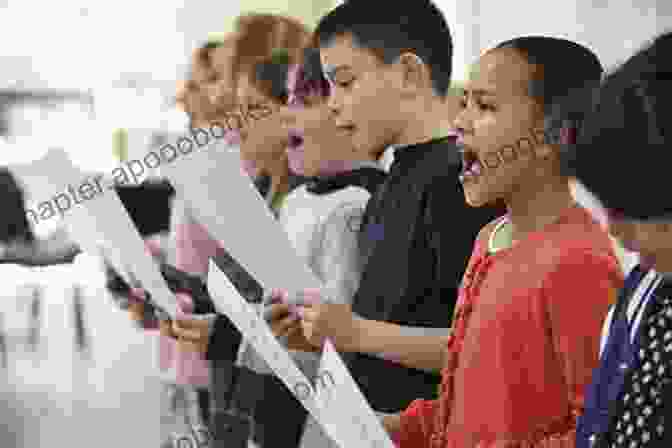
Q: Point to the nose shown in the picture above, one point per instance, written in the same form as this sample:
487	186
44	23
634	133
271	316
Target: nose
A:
463	124
334	103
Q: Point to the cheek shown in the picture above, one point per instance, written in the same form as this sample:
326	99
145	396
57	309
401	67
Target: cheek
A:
626	233
488	135
659	237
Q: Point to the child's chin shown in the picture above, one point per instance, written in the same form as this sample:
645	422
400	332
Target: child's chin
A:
474	197
297	167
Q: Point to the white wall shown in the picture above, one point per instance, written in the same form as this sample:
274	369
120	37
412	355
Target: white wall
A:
83	44
614	29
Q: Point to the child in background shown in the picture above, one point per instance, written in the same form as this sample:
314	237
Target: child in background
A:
265	136
630	398
540	279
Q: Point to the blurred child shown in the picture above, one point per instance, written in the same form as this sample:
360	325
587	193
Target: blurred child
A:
628	402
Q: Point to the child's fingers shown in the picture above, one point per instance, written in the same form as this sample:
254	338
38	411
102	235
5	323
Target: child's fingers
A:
282	326
185	329
136	311
277	311
166	328
192	324
185	345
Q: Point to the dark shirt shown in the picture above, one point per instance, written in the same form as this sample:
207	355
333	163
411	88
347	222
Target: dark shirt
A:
416	239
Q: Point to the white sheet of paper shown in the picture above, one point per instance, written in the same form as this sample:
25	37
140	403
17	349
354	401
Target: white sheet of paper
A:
337	392
48	175
226	202
228	301
121	238
102	220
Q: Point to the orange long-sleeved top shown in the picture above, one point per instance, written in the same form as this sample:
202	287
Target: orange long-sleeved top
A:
524	343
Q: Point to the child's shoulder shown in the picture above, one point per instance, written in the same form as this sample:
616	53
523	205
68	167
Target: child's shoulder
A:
577	238
486	231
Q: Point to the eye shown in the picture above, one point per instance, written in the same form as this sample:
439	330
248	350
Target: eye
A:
344	84
463	103
488	107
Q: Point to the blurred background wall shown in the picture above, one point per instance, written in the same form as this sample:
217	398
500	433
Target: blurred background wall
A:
75	72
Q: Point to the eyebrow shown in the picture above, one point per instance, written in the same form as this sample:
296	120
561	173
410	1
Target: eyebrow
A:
478	92
331	71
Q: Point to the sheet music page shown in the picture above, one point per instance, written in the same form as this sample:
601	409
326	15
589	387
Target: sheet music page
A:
258	333
226	202
338	392
93	212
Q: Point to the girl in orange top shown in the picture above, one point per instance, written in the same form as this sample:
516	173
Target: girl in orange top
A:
525	336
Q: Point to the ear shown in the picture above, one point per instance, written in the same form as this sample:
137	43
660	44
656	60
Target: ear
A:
414	72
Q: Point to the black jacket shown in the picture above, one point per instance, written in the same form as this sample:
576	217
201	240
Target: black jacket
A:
417	237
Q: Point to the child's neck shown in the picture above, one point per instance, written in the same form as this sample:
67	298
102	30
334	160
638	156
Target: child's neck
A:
279	175
538	205
425	124
334	168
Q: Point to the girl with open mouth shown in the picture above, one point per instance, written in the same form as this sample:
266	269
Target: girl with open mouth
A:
540	279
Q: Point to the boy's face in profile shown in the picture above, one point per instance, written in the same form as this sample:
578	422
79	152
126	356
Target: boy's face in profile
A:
365	94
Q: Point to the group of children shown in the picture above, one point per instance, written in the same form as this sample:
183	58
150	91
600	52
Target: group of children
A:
490	286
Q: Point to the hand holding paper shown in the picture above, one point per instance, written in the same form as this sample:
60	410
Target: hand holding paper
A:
285	322
228	301
334	321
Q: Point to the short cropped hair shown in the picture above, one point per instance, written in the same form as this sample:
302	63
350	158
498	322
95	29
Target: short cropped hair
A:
623	154
389	30
566	73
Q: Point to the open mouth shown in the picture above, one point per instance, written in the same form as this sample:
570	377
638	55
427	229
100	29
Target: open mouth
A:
295	140
471	164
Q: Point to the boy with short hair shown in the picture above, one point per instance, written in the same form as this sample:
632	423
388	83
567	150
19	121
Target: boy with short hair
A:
389	69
